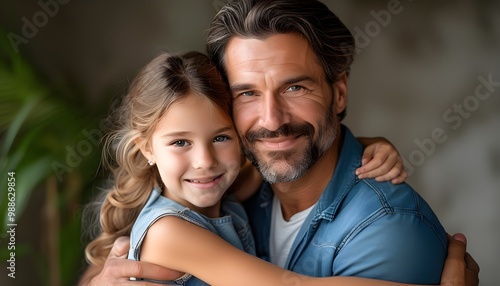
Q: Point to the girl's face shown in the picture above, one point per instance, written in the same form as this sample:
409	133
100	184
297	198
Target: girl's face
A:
197	152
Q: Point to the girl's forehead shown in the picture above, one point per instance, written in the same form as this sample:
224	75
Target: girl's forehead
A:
200	102
191	111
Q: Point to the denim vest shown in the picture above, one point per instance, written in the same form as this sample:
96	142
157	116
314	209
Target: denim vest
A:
359	228
232	227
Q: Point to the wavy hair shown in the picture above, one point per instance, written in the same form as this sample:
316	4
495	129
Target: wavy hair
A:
160	83
330	39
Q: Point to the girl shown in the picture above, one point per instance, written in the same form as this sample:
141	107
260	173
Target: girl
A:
173	157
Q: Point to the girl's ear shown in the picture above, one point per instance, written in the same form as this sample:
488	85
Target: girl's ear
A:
145	148
340	93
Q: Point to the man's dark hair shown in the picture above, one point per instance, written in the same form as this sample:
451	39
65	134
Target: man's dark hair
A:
330	39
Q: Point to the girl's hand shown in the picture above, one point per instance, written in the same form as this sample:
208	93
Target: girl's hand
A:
381	160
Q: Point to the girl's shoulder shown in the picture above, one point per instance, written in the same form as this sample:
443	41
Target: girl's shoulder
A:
166	242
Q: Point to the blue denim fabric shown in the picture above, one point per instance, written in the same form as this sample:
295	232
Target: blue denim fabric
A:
232	226
360	228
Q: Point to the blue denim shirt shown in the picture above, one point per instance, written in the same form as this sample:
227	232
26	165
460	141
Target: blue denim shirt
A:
232	226
360	228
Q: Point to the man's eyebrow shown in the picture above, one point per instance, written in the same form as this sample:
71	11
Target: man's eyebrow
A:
247	86
298	79
242	86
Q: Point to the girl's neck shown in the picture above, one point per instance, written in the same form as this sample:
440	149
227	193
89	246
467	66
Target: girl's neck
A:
211	211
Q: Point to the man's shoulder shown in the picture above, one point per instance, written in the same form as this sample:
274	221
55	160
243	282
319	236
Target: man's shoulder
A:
386	194
369	199
369	204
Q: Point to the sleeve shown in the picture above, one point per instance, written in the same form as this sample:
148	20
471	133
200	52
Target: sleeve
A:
397	247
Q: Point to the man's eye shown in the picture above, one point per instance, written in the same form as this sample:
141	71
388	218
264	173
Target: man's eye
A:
248	93
180	143
221	138
294	88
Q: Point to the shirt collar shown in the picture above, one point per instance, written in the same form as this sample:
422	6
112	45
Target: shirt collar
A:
343	178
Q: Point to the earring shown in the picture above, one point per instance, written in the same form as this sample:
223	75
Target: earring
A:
150	163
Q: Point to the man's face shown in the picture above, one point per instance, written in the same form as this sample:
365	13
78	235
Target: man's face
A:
283	107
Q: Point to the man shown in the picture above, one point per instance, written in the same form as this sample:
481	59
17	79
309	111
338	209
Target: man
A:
287	64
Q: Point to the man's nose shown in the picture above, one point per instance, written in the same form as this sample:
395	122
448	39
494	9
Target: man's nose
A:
274	112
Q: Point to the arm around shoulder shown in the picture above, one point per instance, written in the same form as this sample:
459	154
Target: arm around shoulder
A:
203	254
199	252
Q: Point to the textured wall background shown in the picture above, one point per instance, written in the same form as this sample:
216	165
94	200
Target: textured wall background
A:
427	77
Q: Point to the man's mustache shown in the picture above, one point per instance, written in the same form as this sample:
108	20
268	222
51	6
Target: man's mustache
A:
286	130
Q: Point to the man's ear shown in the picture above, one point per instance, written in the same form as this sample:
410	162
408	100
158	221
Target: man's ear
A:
340	93
145	147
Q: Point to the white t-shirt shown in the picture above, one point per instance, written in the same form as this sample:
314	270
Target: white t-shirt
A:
283	232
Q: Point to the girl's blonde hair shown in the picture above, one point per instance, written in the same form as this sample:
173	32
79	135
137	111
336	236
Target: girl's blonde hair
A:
164	80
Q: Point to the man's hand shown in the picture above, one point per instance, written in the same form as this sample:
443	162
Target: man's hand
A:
118	269
460	268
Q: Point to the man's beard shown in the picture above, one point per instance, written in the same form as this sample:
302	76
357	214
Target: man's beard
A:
296	162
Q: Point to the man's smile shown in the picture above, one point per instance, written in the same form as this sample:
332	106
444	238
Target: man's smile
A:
278	143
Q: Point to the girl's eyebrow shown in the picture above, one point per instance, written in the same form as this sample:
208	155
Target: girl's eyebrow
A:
179	133
185	133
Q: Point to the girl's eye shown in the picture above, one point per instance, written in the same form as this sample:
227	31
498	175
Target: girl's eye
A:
180	143
221	138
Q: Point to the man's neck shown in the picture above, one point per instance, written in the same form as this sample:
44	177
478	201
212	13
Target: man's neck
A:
300	194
